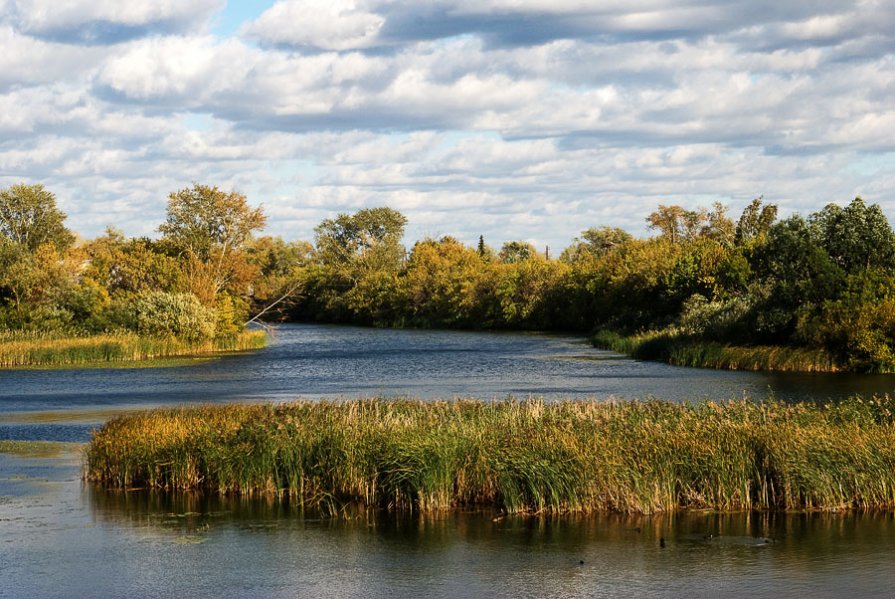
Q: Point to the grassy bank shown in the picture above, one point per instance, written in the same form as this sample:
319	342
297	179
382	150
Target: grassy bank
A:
521	457
48	352
683	351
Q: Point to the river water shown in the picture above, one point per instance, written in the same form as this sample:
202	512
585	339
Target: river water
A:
61	538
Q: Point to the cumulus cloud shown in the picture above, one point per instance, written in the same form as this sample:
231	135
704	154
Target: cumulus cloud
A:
106	21
532	119
181	70
25	61
326	24
354	24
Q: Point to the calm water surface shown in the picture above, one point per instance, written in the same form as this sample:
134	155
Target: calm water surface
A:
328	361
60	538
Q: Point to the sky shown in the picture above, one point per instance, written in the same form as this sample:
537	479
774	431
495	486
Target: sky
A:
512	119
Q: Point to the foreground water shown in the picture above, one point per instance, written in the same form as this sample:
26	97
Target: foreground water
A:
60	538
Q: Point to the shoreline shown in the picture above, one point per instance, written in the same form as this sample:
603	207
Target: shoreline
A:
126	350
678	350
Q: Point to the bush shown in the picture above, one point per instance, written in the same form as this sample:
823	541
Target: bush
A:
181	315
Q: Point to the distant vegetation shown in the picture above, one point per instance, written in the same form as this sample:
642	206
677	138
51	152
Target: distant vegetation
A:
112	299
805	293
20	351
518	457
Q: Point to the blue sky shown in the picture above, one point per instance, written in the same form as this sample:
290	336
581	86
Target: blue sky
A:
235	13
514	119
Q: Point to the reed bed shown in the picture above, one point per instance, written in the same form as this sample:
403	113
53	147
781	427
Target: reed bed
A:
514	456
681	350
45	351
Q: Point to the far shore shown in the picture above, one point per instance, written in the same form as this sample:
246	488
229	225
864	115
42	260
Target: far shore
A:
125	350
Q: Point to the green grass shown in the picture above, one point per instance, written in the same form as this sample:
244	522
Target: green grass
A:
113	349
683	351
515	456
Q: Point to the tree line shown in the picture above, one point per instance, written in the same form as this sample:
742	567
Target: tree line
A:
822	281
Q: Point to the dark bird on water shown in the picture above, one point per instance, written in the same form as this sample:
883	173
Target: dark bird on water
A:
662	542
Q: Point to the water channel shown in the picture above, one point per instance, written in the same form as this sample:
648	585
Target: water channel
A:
61	538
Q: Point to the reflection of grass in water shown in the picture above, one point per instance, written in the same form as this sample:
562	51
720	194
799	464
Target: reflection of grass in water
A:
515	456
38	449
58	416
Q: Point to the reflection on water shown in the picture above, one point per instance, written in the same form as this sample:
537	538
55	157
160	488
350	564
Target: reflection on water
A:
59	538
327	361
478	555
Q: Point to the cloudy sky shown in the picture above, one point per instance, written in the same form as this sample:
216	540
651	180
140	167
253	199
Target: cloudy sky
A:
516	119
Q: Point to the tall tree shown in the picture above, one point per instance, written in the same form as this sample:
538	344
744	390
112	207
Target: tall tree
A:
857	236
29	217
676	223
516	251
209	228
359	257
368	240
718	226
209	222
755	222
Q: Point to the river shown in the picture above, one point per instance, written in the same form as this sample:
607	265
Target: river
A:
61	538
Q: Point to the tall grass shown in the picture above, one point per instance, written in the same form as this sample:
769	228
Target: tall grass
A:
39	350
680	350
517	456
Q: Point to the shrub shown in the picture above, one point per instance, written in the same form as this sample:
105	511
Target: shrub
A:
181	315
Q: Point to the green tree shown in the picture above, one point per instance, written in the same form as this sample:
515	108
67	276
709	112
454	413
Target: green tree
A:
129	266
594	243
516	251
718	226
755	222
359	257
856	237
209	228
30	218
797	275
677	224
441	285
34	285
525	289
368	240
281	268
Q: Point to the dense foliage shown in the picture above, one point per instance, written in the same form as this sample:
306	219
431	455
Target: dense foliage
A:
193	285
822	283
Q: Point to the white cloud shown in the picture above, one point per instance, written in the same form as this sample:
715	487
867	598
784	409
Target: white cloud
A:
184	69
506	118
327	24
26	61
108	20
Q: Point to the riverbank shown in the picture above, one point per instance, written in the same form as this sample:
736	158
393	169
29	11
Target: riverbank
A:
517	457
114	349
680	350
